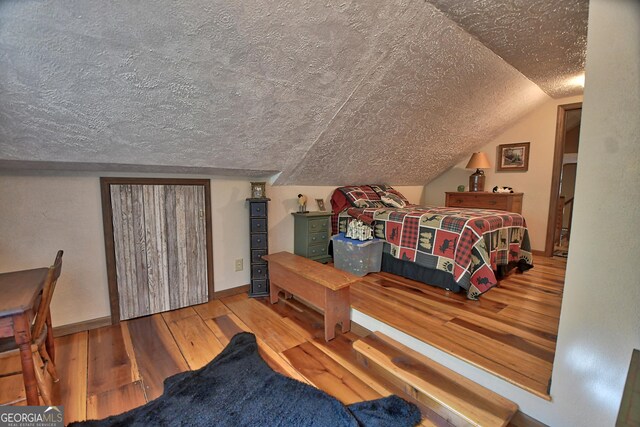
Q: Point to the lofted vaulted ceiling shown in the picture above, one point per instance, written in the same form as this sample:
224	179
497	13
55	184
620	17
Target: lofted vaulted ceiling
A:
323	93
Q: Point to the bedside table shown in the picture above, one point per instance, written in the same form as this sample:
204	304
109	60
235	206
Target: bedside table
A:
311	235
511	202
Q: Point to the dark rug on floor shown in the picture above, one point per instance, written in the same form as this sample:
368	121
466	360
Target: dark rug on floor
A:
238	388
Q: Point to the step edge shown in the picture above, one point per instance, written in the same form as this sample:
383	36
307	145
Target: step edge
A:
441	399
508	407
428	361
451	373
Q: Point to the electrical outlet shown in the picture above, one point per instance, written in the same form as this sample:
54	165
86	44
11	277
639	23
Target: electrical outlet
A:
239	264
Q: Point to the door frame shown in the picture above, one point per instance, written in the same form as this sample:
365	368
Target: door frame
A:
558	154
109	244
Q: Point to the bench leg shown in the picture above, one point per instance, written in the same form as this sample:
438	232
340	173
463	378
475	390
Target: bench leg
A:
336	310
273	293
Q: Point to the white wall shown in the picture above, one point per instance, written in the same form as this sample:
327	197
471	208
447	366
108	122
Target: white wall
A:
284	201
600	319
42	212
538	128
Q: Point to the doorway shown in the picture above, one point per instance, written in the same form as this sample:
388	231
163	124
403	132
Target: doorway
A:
563	180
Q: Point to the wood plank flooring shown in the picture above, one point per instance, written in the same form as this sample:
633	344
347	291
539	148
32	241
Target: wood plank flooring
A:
511	331
517	323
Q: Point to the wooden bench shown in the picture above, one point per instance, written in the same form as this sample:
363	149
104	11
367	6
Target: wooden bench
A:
321	285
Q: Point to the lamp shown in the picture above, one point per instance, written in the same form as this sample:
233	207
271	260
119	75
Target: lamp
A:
478	161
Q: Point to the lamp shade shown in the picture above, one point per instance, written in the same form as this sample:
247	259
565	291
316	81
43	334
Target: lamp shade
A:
478	160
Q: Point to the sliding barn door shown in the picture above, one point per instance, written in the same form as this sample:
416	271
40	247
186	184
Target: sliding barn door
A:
160	256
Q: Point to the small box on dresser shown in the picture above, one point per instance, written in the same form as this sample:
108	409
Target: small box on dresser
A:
259	246
311	235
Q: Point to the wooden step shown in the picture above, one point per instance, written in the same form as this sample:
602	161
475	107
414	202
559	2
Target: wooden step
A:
457	399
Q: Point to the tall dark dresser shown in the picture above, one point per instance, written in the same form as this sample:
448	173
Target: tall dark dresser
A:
259	246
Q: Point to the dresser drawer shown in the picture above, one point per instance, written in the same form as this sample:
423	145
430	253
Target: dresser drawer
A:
259	271
506	202
473	201
258	241
315	238
259	286
259	224
256	256
318	225
318	250
259	209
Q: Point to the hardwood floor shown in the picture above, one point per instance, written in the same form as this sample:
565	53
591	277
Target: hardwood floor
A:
510	331
116	368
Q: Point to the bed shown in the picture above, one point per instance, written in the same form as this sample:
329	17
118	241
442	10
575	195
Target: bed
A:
454	248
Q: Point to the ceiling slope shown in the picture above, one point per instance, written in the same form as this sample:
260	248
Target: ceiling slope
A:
437	94
544	39
326	93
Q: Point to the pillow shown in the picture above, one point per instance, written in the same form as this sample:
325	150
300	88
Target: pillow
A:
392	200
362	196
381	189
367	218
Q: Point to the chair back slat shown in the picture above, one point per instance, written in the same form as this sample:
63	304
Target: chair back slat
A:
47	293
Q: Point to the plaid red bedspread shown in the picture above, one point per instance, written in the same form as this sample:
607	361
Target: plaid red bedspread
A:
467	243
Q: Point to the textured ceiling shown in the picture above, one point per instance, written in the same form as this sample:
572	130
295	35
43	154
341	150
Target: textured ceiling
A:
544	39
326	93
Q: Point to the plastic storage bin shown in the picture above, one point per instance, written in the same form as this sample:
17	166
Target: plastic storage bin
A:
355	256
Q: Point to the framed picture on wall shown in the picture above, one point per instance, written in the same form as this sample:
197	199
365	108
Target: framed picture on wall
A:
320	203
513	157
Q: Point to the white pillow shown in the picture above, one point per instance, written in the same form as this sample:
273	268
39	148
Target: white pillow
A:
392	200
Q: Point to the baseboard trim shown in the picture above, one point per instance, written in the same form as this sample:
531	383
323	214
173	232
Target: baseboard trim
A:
231	292
87	325
538	253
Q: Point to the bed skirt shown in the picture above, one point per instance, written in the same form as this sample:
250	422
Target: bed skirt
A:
413	271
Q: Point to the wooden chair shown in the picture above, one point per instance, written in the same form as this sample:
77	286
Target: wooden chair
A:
41	336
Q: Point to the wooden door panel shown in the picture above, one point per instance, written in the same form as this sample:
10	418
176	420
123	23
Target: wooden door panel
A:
156	248
195	241
138	248
159	247
130	253
182	284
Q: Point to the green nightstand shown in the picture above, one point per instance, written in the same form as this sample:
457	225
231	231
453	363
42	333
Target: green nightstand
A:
311	235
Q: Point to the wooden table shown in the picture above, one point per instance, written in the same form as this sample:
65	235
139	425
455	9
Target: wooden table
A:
321	285
19	293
